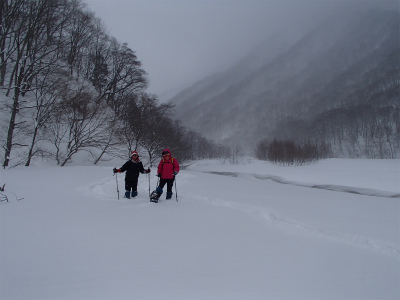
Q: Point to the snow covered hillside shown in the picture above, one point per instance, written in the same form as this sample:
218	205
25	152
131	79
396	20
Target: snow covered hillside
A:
329	230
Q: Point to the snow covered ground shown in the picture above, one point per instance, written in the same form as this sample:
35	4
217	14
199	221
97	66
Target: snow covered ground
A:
328	230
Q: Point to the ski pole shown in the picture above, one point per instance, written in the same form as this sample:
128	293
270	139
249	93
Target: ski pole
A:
176	191
148	174
158	183
116	179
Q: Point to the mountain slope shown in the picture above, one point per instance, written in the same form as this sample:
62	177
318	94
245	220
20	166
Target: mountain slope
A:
341	56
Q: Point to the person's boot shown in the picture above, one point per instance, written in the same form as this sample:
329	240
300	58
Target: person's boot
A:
159	191
134	194
128	194
169	195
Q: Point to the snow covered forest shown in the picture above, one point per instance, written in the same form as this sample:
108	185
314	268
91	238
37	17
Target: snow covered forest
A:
68	87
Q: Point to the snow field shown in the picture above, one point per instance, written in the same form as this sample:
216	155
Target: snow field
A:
228	237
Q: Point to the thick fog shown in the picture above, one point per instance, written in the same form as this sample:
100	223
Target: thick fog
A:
180	42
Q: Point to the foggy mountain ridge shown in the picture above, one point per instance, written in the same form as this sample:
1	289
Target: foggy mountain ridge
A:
341	57
218	83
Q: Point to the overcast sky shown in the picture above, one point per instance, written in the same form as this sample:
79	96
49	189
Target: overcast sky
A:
182	41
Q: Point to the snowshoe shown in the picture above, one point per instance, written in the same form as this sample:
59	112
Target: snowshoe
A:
154	196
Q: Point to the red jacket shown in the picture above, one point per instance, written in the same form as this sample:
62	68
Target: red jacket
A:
167	166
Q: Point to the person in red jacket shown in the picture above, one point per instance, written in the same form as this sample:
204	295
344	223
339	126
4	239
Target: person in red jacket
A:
168	168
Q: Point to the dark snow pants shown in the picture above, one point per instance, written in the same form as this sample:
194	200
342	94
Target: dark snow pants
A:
169	182
131	185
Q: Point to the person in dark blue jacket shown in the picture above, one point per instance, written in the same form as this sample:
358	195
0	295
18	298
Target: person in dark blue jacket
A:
132	167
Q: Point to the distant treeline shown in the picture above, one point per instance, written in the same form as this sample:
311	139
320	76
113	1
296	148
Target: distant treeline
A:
289	153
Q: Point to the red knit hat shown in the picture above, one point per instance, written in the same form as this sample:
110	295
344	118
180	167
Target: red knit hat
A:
134	153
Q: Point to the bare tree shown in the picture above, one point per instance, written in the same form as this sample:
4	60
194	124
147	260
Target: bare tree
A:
79	35
117	77
81	124
124	77
151	125
32	39
47	97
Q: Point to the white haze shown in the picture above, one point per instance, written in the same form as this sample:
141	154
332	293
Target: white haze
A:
182	41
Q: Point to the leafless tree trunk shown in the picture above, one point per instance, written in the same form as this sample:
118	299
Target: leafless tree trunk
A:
31	44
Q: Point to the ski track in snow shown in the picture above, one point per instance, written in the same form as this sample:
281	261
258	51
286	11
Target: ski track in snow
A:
267	217
328	187
98	189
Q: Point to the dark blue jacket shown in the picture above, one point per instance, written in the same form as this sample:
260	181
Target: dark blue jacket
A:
132	168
